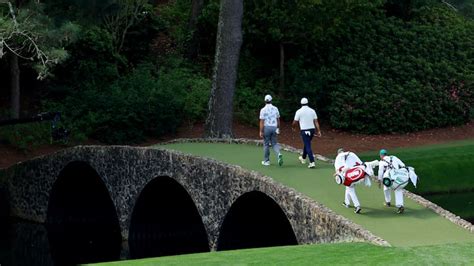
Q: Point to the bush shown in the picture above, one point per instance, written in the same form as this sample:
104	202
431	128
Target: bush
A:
394	76
26	136
145	103
91	61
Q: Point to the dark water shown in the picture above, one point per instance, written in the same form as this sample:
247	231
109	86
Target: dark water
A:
24	243
461	203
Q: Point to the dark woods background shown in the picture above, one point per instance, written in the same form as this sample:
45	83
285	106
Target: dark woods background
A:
137	69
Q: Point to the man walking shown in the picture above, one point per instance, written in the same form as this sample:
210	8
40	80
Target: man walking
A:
386	164
269	129
307	119
352	171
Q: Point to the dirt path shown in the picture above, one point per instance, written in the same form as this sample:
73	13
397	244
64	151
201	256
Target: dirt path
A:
330	141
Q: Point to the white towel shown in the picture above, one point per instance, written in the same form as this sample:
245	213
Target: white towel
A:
412	175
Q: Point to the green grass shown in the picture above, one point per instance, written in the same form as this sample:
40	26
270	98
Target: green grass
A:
442	168
418	226
324	254
445	171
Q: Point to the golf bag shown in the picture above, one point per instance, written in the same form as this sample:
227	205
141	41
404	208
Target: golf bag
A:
399	178
353	175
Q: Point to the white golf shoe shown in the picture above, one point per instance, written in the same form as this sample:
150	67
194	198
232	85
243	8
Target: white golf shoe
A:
303	161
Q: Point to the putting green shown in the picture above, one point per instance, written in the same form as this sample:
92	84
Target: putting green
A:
417	226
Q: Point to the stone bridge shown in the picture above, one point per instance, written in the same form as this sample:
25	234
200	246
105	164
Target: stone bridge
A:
188	203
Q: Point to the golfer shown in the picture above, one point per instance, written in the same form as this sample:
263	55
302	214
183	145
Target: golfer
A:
307	119
269	129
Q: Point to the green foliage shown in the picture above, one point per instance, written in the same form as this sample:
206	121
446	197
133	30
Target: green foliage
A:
465	7
399	77
92	61
248	101
366	66
30	34
148	102
26	136
176	17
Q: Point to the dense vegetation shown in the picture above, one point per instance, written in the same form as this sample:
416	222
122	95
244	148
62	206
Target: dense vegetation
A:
136	68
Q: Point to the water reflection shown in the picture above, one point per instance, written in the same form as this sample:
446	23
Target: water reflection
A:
24	243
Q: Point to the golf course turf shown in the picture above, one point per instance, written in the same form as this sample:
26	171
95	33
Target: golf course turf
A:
322	254
419	236
417	226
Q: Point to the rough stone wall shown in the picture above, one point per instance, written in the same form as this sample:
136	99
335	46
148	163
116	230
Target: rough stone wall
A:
214	186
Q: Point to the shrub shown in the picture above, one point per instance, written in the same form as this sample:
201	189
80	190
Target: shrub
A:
394	76
26	136
147	102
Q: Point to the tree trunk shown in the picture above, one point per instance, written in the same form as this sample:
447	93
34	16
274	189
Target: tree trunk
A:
282	69
192	49
229	40
14	86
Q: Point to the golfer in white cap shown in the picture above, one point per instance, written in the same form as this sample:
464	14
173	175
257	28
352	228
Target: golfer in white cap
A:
269	129
307	119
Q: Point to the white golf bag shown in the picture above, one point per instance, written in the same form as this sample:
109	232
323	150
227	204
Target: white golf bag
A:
399	178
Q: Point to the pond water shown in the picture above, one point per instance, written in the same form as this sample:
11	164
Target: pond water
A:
461	204
24	243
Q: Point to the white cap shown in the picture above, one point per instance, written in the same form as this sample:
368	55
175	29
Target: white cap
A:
304	101
268	98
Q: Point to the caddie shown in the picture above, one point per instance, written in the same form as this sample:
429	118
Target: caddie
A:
350	170
394	175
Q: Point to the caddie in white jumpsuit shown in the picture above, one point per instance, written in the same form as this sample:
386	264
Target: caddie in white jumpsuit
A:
344	161
387	163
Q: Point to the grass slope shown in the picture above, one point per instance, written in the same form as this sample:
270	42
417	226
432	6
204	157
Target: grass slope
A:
418	226
443	168
446	174
323	254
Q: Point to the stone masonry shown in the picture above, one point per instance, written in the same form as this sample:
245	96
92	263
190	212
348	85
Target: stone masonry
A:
214	186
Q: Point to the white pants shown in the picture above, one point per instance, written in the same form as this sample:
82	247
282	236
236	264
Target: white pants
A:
351	194
398	195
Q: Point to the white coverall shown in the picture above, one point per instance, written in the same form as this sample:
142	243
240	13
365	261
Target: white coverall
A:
343	162
387	163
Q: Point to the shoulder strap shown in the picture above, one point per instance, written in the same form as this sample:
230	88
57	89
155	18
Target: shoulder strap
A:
347	155
390	164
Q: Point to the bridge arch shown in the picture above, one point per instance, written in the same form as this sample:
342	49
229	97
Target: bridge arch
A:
255	220
81	218
214	187
165	221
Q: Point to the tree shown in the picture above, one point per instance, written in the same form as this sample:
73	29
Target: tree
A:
26	33
228	43
126	14
192	48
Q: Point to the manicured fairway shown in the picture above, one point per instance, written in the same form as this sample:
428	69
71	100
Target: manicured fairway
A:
324	254
418	226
